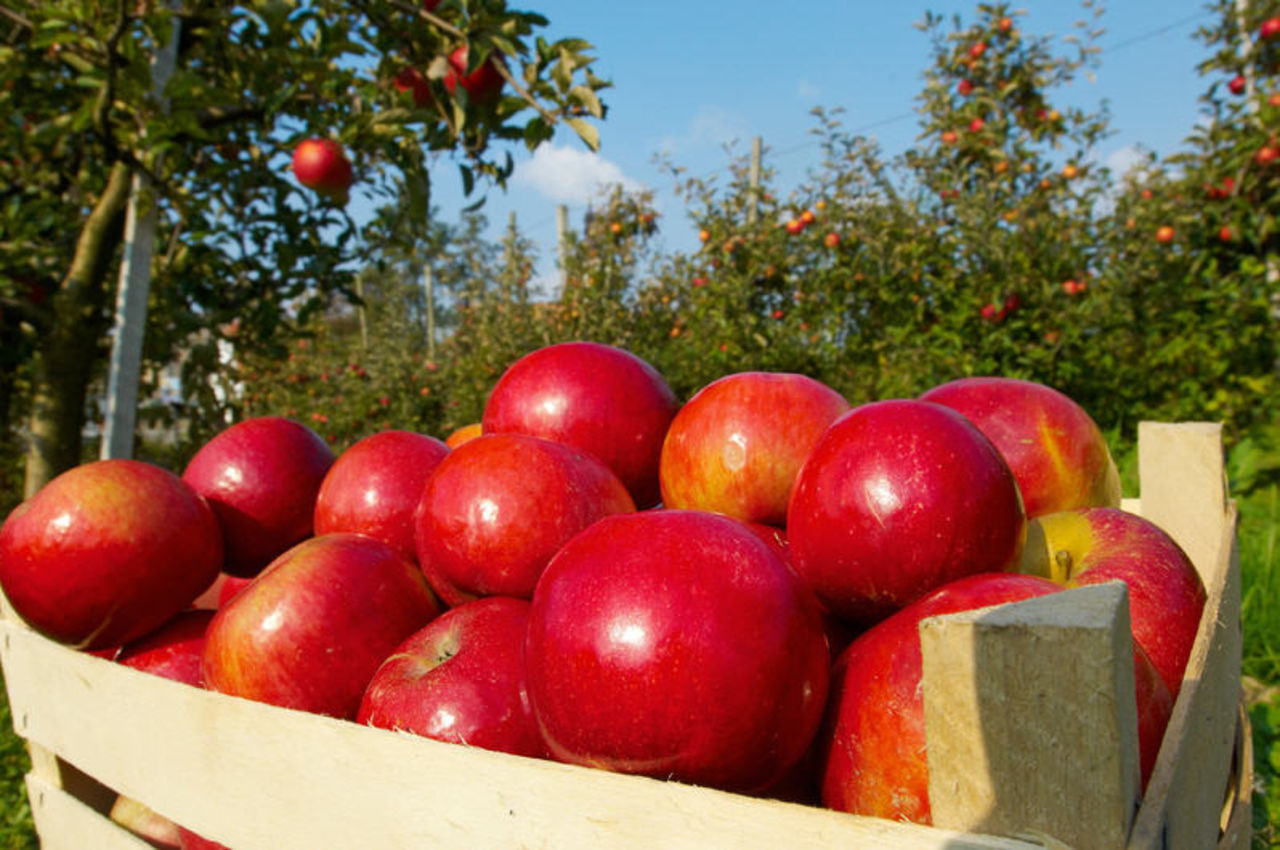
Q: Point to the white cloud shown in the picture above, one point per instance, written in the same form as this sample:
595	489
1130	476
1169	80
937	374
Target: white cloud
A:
1123	160
711	126
807	91
570	176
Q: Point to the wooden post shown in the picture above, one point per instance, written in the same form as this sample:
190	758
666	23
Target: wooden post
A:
754	177
1045	740
360	314
429	287
562	235
135	284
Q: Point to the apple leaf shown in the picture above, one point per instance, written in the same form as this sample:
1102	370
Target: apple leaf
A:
587	132
587	98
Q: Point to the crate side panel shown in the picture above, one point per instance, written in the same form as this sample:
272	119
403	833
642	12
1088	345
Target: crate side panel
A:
262	778
1188	787
1183	482
65	823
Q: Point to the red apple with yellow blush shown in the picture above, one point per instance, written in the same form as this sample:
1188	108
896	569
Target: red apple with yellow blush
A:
1055	449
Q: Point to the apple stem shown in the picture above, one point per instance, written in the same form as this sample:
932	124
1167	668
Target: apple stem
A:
1063	564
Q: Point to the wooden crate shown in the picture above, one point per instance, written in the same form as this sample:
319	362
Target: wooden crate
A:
256	777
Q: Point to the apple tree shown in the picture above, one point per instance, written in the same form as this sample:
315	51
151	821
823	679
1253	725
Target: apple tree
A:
400	86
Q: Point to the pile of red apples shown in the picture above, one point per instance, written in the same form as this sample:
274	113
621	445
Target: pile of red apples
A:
724	592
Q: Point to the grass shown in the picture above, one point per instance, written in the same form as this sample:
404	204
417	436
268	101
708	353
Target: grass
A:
1254	468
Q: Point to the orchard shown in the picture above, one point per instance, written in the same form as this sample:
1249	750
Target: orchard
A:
783	434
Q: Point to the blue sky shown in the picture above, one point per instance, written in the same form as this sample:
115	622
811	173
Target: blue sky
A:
691	77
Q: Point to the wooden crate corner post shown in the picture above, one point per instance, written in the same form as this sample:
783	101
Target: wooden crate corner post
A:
1031	718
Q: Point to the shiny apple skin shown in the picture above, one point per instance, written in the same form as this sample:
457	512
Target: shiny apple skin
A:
461	680
897	498
875	758
261	477
676	644
500	506
107	552
1166	594
172	651
736	446
309	632
598	398
374	486
1055	449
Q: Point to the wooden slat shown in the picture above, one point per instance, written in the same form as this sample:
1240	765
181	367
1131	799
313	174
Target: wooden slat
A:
1184	487
1189	784
65	823
256	777
1031	720
1237	830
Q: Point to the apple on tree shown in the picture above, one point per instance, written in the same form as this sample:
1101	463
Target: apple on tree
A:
107	552
897	498
482	84
460	679
1056	451
676	644
322	165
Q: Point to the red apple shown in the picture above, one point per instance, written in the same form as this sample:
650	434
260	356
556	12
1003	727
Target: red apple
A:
897	498
374	487
675	644
482	85
309	632
499	506
107	552
192	841
231	585
601	399
876	761
736	446
460	679
1270	29
172	651
1166	594
414	81
1237	84
261	477
322	165
139	819
1055	449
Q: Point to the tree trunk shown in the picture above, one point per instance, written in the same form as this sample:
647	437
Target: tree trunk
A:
66	354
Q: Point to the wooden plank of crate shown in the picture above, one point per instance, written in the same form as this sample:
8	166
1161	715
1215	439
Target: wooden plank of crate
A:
1237	826
1183	484
65	823
257	777
1189	783
1183	487
1030	717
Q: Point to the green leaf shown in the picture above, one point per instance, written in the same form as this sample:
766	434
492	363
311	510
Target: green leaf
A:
587	132
587	98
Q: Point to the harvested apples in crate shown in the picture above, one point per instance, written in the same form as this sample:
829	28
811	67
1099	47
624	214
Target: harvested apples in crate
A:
912	623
